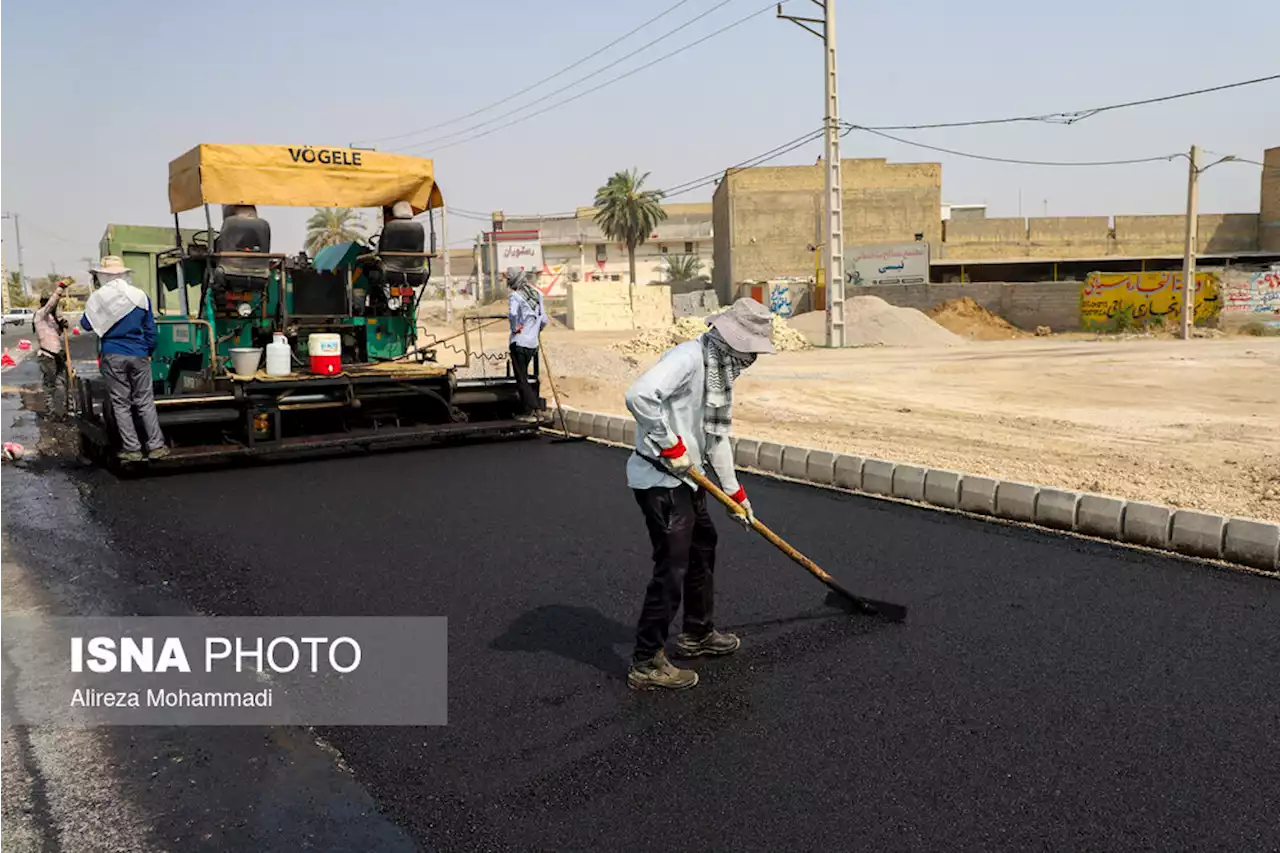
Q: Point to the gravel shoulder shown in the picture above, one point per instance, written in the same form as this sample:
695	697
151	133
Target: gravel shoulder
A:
1190	425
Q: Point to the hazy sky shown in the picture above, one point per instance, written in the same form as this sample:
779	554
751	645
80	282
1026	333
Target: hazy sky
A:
99	97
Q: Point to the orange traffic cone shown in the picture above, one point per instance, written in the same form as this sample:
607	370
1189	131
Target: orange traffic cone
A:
7	360
24	344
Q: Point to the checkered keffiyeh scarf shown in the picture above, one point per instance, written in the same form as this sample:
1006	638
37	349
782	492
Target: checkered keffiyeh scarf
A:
723	364
520	284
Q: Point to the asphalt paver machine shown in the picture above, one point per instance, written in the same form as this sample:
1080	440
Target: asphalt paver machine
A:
217	402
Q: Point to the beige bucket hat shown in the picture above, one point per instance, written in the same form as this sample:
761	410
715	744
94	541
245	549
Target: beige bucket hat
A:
110	264
746	325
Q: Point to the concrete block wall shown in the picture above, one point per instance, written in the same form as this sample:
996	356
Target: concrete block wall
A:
1001	232
1055	304
652	306
601	306
766	217
1226	232
1248	542
1269	215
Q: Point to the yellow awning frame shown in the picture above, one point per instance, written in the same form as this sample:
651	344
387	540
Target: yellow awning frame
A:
300	176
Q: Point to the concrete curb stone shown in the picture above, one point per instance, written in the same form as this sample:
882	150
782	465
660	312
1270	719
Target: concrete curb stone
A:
1099	515
1147	524
1198	533
1057	508
1242	540
978	494
908	482
795	462
770	457
1253	543
821	467
848	473
1016	501
877	477
942	487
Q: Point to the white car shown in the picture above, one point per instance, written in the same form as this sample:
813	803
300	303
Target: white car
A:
19	316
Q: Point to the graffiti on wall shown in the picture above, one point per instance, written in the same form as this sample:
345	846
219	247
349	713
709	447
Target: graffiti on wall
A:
1252	295
1118	300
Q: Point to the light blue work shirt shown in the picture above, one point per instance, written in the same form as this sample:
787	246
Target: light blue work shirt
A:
667	401
531	321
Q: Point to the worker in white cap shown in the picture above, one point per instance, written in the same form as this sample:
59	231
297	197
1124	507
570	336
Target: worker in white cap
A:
120	315
683	407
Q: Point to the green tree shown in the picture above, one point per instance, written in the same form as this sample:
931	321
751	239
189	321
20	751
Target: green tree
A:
685	268
329	226
16	297
628	213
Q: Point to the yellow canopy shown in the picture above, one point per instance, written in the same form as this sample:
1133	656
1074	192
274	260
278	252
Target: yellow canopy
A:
300	176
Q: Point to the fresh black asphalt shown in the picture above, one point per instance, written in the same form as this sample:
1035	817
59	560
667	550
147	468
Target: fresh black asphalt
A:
1045	692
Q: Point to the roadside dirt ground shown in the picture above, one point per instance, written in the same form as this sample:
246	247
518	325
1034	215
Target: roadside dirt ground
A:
1192	425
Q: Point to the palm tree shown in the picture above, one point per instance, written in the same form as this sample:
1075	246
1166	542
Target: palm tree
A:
627	213
329	226
685	268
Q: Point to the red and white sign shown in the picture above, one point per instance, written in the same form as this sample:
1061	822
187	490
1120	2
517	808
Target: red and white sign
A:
521	249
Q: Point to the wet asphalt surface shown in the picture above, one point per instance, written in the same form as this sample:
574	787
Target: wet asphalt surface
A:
1045	692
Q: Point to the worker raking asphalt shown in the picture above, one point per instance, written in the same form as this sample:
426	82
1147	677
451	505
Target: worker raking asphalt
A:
1047	692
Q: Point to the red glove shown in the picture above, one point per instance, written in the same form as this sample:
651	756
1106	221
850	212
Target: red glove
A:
746	517
677	458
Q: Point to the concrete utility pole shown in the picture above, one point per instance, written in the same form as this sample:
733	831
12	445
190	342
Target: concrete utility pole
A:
1189	250
448	272
17	234
1189	247
833	247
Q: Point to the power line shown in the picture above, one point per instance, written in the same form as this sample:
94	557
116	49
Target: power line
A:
571	84
597	88
533	86
1015	161
681	188
1073	116
750	162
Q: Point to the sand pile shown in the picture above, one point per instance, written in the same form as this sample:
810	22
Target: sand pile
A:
649	341
870	321
969	319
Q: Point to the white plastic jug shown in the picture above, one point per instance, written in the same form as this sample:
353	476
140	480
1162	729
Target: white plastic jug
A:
279	356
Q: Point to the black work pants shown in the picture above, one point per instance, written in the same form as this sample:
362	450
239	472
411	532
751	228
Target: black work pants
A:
520	358
684	559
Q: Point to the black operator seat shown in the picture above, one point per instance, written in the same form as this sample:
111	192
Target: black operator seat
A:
243	231
401	233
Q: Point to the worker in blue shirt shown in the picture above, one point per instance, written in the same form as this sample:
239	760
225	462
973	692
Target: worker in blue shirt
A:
120	315
528	318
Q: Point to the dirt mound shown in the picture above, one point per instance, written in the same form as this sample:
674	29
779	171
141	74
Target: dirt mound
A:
870	321
649	341
969	319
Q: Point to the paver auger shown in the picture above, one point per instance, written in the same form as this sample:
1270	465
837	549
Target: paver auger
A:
386	392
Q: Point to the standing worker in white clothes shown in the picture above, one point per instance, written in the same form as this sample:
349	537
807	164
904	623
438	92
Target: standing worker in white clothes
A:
528	318
120	315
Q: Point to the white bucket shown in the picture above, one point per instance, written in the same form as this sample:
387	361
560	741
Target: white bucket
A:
245	360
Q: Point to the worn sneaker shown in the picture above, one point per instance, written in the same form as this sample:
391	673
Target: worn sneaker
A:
658	673
713	643
130	456
159	453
